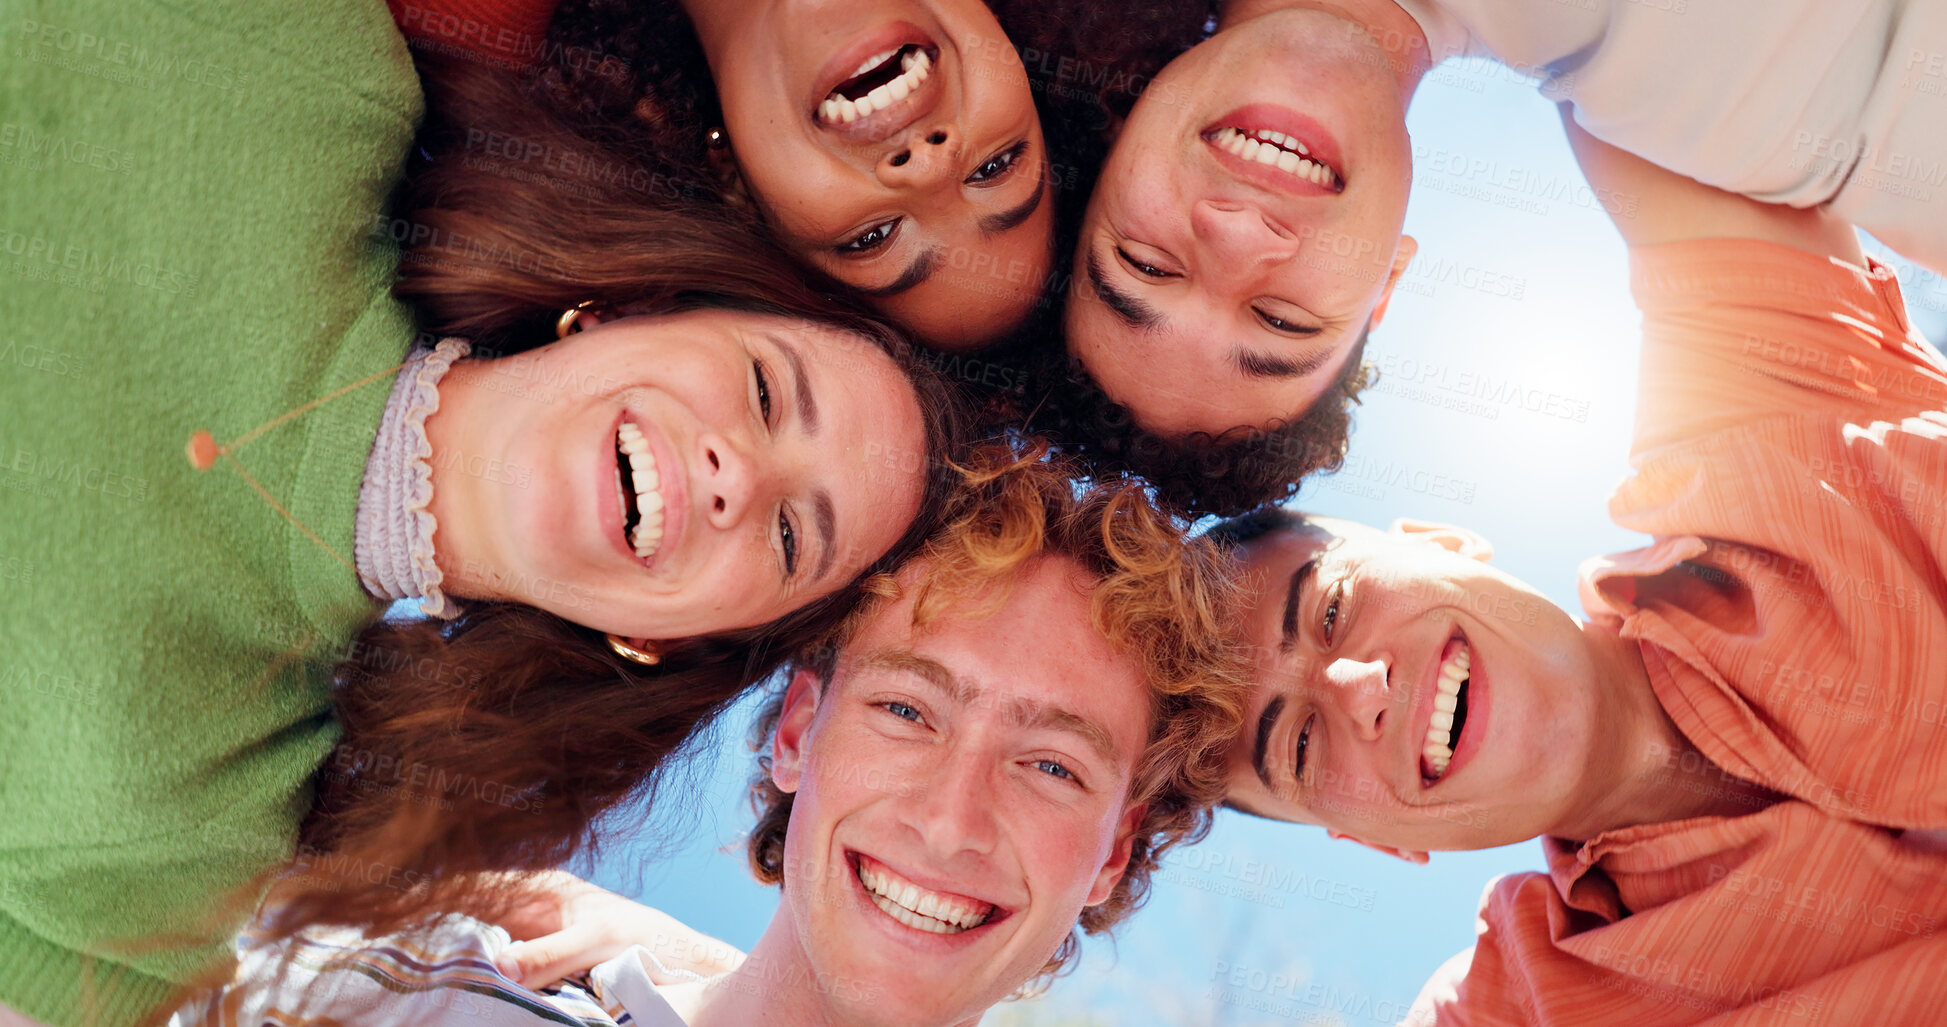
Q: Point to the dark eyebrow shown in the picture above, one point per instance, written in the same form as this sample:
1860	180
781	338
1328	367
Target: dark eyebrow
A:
1258	365
821	511
1133	312
801	385
1265	722
920	271
995	224
1288	634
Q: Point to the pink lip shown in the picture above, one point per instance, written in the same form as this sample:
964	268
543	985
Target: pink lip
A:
674	487
881	125
1271	117
913	936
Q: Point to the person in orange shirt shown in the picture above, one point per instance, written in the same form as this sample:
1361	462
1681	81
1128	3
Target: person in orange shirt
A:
1738	763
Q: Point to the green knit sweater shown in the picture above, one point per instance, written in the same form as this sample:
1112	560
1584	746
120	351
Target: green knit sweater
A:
190	238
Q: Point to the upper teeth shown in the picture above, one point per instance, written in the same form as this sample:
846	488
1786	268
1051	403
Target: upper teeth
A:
1275	149
919	908
916	66
1446	698
648	534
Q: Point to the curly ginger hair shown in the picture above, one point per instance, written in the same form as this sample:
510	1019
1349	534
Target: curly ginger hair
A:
1167	601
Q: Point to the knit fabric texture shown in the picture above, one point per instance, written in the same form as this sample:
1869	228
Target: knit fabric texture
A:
192	241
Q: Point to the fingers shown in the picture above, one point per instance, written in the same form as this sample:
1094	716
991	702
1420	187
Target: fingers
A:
545	902
544	961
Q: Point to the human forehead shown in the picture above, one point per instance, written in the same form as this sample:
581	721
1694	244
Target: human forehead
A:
824	350
1028	640
1282	548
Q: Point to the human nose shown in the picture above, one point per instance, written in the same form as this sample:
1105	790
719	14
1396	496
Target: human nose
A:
1362	692
1239	236
922	160
729	481
952	809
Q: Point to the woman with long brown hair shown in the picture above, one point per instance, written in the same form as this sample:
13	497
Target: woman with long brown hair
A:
613	531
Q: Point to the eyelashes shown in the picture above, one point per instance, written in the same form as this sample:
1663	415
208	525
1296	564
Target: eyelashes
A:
869	240
1000	165
990	172
787	533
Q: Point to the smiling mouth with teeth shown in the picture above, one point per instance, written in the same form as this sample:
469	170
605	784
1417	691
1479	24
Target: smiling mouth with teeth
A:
916	907
1449	712
881	80
1277	150
639	489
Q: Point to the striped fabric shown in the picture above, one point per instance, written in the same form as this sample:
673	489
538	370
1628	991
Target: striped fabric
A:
443	977
1791	462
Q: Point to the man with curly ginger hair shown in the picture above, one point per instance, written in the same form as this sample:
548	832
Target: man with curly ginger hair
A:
989	759
993	759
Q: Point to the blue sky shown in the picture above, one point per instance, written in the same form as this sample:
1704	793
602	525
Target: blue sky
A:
1519	298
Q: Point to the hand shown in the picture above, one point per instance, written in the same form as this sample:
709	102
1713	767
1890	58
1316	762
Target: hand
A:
565	925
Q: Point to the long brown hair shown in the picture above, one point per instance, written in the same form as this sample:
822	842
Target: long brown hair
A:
498	740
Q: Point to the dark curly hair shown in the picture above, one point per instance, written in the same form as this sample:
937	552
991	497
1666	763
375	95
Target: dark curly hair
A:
1168	602
631	75
1198	474
1088	65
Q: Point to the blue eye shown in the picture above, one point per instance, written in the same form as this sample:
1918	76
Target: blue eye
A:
1054	769
902	711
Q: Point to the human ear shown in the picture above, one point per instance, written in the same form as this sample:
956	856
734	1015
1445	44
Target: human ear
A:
1417	857
730	176
1118	862
1451	537
1402	256
793	732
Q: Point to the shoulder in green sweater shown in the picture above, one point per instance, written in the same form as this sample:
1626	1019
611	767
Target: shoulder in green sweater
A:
190	239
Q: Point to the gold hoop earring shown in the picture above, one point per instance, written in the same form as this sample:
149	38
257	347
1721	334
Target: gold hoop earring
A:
569	317
716	138
648	657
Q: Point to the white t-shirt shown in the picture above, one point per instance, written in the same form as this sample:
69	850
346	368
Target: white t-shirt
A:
1800	102
444	977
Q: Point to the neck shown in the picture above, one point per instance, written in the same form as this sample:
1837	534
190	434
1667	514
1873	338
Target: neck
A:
1649	773
1387	23
458	427
776	986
